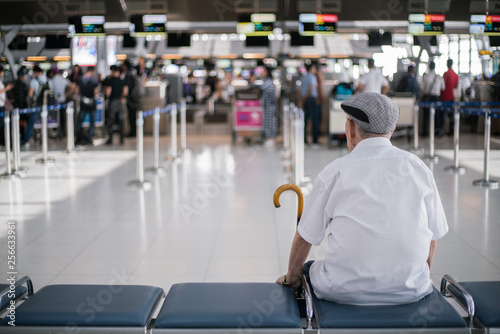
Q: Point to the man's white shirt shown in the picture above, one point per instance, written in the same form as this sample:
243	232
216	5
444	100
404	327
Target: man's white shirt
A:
380	208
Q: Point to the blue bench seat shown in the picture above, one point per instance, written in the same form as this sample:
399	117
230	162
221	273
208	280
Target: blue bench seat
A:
432	314
229	307
486	298
116	309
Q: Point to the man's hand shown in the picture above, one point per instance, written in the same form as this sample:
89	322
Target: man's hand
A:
285	280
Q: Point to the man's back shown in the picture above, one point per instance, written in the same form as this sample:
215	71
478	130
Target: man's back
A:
373	82
450	82
381	210
305	82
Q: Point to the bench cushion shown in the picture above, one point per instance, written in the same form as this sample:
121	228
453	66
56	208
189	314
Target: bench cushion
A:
433	311
486	300
89	305
229	305
6	301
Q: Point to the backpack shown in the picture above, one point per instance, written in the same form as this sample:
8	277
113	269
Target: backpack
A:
51	99
403	84
88	101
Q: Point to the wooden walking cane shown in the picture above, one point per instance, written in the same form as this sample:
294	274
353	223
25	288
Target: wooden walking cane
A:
294	188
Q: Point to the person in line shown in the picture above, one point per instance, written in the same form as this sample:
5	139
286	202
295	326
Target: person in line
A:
116	90
61	91
373	81
270	111
450	83
408	83
380	211
3	100
132	98
19	94
309	102
432	85
89	88
142	70
35	99
76	75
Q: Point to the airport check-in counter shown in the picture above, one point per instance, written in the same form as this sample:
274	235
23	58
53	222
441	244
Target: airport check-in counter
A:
155	96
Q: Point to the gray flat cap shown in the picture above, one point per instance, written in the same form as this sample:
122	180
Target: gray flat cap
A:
372	112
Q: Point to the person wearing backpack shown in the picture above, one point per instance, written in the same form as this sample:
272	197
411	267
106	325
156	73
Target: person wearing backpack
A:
116	90
88	105
136	91
38	85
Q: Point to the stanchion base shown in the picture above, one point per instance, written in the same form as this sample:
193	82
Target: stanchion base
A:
433	158
144	185
417	151
22	172
158	171
185	150
456	169
12	176
491	184
47	162
173	159
287	154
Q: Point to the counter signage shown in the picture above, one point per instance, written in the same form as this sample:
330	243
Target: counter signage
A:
426	24
92	25
312	24
258	25
484	25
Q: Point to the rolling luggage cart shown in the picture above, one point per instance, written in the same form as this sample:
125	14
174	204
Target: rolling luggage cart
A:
247	114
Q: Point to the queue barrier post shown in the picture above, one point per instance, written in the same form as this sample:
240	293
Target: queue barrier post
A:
156	169
140	183
173	129
286	129
70	114
16	145
298	129
183	126
45	160
416	149
456	168
9	174
486	182
432	125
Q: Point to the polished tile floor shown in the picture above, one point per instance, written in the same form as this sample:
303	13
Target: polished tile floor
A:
210	218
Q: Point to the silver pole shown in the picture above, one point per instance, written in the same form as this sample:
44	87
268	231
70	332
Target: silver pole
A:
456	139
173	134
416	149
296	154
286	133
15	153
156	145
45	160
486	182
22	171
183	126
70	112
432	126
8	171
301	146
140	183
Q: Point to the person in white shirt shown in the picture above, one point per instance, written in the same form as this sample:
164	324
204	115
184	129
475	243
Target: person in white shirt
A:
431	87
3	98
61	90
380	210
372	81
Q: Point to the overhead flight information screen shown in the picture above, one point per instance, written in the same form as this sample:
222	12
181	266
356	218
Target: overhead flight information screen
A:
426	24
484	25
312	24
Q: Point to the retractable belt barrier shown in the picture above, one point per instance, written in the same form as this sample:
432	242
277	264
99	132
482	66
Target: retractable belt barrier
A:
486	109
140	182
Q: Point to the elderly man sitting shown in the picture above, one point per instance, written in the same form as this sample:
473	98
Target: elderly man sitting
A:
381	212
